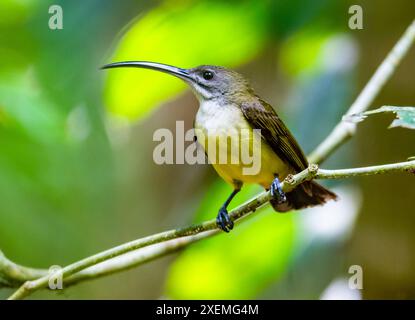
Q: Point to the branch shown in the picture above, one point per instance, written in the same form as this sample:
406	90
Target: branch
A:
136	258
345	130
196	232
170	241
12	274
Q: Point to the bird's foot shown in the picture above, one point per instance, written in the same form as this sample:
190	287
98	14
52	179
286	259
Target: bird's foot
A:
276	191
223	220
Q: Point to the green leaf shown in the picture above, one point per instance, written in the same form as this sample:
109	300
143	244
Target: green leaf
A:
238	265
405	116
15	11
186	35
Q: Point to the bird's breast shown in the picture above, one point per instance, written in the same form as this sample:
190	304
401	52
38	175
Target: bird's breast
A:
215	117
224	133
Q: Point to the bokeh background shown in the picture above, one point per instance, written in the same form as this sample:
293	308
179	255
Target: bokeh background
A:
76	145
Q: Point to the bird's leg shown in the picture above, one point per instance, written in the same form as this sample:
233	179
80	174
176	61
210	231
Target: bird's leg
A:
276	191
223	220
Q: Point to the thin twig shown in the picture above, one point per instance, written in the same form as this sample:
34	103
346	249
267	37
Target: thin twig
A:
162	249
312	172
136	258
345	130
12	274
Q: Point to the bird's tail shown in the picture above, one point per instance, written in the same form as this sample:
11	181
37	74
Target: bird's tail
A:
308	194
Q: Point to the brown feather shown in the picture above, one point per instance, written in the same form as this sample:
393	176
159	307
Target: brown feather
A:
262	116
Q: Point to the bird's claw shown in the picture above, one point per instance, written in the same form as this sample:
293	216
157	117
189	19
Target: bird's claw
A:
276	191
223	220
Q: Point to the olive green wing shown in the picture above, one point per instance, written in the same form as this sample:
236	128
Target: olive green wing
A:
262	116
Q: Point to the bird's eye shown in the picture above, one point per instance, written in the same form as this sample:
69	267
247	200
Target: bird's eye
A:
207	75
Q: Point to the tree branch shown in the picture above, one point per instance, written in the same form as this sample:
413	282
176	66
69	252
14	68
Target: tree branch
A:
345	130
12	274
196	232
170	241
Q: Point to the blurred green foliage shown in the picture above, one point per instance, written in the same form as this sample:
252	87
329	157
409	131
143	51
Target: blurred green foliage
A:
72	182
56	152
55	160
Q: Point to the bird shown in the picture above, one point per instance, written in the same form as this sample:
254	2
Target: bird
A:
229	104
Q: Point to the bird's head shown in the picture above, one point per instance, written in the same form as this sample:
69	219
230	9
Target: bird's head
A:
207	82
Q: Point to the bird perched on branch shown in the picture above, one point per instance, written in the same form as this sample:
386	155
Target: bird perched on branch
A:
228	107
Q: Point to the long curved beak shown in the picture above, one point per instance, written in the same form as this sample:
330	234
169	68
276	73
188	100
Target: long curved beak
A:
174	71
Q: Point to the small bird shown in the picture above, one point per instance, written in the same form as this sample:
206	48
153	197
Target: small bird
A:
229	104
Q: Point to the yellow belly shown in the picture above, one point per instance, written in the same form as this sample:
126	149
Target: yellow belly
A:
229	121
270	166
